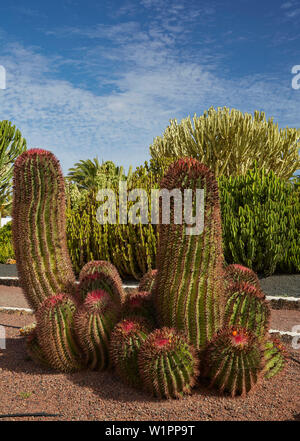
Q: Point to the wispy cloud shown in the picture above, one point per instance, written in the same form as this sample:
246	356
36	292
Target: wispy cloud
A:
151	81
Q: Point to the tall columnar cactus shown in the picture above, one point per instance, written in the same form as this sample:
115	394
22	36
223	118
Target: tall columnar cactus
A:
240	273
93	324
126	340
168	364
233	361
103	275
38	228
246	306
275	356
188	289
147	281
55	323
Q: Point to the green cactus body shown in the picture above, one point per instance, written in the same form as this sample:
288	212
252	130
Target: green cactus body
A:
147	281
239	273
55	322
188	291
233	361
34	349
275	356
246	306
101	275
139	303
168	364
93	324
126	340
38	227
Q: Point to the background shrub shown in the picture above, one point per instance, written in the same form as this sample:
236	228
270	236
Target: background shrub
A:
6	247
131	248
229	142
261	221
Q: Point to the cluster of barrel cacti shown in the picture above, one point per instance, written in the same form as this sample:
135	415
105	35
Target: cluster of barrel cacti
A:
192	318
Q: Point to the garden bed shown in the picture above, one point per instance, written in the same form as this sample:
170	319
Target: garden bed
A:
28	388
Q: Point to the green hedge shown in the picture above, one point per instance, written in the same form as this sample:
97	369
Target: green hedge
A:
6	248
261	222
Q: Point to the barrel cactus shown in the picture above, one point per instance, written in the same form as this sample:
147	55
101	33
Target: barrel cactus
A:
101	275
93	324
139	303
126	340
55	332
275	356
239	273
147	281
247	307
168	364
233	361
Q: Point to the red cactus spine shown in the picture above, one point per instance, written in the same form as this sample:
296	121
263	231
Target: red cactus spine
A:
55	332
168	364
39	233
188	290
93	324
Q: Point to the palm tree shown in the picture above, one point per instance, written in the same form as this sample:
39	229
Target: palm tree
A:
90	175
11	146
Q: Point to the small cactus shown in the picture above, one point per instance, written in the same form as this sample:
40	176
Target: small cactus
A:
239	273
168	364
126	340
101	275
147	281
93	324
139	304
55	333
246	306
233	360
275	356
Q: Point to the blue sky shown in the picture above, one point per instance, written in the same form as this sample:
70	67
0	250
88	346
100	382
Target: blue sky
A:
103	78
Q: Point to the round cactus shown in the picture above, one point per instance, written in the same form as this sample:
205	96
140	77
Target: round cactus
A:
275	356
239	273
168	364
233	360
246	306
93	324
99	274
139	303
147	281
54	329
126	340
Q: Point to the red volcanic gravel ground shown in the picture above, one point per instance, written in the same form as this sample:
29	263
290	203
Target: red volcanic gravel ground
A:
26	388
